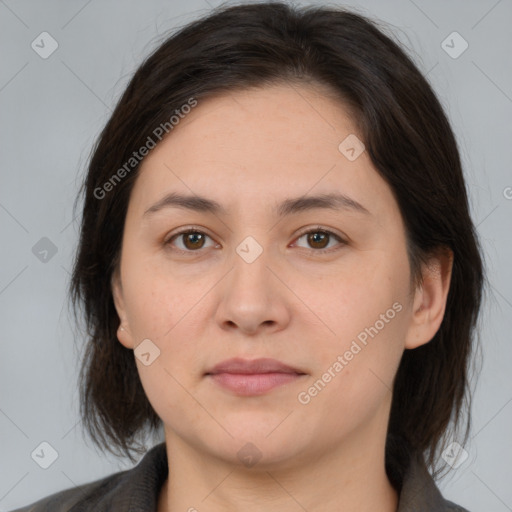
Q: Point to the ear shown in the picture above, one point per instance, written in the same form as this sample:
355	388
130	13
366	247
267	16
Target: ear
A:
123	331
430	299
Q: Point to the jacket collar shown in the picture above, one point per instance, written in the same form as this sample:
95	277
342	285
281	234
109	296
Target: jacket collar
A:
140	487
419	492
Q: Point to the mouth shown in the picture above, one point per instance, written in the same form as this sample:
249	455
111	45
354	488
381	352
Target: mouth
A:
253	377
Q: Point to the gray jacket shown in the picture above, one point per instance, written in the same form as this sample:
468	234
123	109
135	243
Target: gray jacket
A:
138	489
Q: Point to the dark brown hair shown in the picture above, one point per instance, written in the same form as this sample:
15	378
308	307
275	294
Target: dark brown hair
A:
409	141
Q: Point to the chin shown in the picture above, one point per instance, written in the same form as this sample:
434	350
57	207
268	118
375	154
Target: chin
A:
260	447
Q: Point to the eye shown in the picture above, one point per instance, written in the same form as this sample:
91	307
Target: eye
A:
319	239
192	239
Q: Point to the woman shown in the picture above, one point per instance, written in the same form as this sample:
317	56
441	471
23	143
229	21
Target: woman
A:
276	264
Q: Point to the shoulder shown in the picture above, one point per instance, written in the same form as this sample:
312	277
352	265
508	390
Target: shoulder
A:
419	492
452	507
119	492
69	499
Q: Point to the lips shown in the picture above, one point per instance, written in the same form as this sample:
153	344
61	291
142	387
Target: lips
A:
244	377
254	366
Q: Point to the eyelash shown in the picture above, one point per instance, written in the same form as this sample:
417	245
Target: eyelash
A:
317	229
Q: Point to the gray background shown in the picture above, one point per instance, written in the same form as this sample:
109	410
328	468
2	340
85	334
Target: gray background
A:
51	112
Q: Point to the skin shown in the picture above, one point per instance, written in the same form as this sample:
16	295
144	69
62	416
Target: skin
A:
249	150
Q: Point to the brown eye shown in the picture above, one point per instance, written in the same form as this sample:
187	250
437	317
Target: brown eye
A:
319	239
191	240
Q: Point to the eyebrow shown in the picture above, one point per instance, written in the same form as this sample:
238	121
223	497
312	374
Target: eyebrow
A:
332	201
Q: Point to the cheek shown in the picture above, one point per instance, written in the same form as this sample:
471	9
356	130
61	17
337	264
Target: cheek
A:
369	348
157	298
353	299
354	378
366	313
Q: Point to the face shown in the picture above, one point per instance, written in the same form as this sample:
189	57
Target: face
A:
320	286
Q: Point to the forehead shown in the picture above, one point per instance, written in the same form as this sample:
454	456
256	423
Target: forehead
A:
270	142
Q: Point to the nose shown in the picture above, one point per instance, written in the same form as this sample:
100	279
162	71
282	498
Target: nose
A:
253	298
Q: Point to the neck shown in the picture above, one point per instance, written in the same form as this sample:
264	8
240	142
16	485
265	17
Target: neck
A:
350	478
